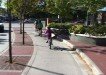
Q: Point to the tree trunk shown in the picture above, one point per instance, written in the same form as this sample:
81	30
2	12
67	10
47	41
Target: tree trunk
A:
87	19
103	19
95	19
10	40
20	22
23	29
21	25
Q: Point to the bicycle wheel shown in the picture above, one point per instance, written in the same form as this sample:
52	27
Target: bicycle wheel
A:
50	43
50	46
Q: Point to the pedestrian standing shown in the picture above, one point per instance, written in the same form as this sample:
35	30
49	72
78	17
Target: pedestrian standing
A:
36	25
40	26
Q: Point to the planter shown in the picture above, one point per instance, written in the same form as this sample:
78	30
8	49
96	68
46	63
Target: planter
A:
94	40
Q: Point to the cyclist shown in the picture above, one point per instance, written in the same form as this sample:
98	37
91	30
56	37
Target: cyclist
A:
49	34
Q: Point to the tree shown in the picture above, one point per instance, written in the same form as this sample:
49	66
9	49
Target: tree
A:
0	2
90	6
59	7
21	8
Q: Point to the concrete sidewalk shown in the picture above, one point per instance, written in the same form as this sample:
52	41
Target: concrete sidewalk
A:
60	60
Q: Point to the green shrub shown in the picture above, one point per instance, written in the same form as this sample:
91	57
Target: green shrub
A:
78	29
97	30
63	28
67	28
60	25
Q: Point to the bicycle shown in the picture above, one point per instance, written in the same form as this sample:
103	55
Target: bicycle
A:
40	32
50	41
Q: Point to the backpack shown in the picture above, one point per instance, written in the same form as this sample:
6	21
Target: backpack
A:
40	25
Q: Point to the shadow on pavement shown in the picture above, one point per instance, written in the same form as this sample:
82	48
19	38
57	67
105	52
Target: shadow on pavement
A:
61	48
20	44
41	46
40	69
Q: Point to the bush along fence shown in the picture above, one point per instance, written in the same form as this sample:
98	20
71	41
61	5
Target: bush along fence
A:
96	30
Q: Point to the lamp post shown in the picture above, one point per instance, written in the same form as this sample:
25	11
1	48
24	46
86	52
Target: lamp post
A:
10	46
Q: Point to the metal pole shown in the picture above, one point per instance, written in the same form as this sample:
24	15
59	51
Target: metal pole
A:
10	46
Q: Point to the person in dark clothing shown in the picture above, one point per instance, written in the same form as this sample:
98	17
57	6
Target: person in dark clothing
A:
36	24
40	26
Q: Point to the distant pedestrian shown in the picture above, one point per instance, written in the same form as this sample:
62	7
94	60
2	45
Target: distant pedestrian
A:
40	26
36	25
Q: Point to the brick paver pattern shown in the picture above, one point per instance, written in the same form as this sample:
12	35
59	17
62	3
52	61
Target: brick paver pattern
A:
96	53
21	55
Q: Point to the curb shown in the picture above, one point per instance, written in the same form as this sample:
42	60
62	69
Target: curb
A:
30	62
90	63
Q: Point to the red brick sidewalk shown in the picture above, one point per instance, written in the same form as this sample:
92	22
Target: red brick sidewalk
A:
21	54
96	53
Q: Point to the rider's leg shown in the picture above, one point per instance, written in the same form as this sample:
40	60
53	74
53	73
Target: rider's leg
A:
51	41
41	32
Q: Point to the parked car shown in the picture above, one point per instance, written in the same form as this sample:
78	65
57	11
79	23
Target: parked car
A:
1	26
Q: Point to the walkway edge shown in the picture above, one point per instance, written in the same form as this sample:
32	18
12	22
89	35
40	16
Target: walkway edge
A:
89	62
29	64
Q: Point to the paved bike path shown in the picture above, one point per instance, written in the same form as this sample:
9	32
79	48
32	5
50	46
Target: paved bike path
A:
57	61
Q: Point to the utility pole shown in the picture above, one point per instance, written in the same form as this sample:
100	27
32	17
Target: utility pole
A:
10	46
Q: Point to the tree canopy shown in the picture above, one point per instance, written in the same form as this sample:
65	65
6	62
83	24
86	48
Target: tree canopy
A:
90	6
59	7
19	7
